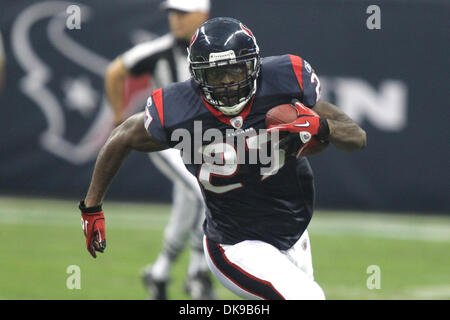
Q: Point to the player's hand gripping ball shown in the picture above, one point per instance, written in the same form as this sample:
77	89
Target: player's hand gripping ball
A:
301	130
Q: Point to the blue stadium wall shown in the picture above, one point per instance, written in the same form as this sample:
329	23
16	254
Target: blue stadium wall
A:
394	81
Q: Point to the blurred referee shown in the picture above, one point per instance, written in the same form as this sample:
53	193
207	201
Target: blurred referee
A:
165	59
2	64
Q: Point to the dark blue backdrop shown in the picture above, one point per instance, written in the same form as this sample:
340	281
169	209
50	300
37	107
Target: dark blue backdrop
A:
393	81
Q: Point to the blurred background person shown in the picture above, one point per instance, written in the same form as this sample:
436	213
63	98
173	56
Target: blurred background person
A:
2	64
165	60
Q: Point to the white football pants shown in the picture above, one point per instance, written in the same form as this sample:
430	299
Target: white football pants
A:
254	269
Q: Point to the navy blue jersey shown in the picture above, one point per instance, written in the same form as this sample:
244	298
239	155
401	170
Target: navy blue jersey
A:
242	203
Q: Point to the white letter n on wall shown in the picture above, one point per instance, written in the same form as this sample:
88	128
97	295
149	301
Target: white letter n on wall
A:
385	108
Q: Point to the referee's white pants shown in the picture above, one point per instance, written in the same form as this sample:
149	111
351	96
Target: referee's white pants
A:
188	209
254	269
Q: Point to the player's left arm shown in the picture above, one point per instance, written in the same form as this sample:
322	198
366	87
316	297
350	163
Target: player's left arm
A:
345	134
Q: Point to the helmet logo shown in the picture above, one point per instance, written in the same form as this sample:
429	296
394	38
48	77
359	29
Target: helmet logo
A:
307	66
194	37
247	31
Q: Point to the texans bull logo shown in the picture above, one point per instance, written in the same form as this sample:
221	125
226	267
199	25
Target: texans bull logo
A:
67	86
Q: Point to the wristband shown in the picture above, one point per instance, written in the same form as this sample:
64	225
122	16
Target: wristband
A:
85	209
324	130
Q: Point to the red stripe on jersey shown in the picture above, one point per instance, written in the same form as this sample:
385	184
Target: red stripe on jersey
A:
158	101
297	64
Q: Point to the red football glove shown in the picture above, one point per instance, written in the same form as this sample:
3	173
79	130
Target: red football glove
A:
93	224
308	125
307	121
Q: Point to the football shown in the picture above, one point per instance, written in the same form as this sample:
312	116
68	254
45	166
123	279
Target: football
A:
287	113
282	114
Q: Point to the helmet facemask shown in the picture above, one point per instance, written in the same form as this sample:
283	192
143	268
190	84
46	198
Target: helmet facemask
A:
227	84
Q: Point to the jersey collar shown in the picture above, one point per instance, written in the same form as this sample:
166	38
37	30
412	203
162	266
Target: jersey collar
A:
229	119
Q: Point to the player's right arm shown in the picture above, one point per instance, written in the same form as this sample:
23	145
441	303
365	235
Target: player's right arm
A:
115	77
130	135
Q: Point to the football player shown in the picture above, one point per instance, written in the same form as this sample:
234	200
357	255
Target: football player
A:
255	242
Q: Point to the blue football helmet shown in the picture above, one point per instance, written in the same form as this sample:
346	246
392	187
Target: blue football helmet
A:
224	60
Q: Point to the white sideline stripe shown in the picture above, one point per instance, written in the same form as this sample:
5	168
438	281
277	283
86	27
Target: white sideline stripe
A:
416	292
427	233
431	292
428	236
150	221
404	227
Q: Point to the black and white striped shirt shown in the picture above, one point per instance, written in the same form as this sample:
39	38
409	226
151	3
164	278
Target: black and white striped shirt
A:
164	58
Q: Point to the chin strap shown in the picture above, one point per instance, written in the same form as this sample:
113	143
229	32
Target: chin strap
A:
234	110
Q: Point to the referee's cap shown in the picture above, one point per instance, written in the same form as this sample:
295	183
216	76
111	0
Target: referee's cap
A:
187	5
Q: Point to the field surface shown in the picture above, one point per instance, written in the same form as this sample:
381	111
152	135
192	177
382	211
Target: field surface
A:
41	238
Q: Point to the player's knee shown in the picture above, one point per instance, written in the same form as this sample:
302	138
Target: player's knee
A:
304	289
318	294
